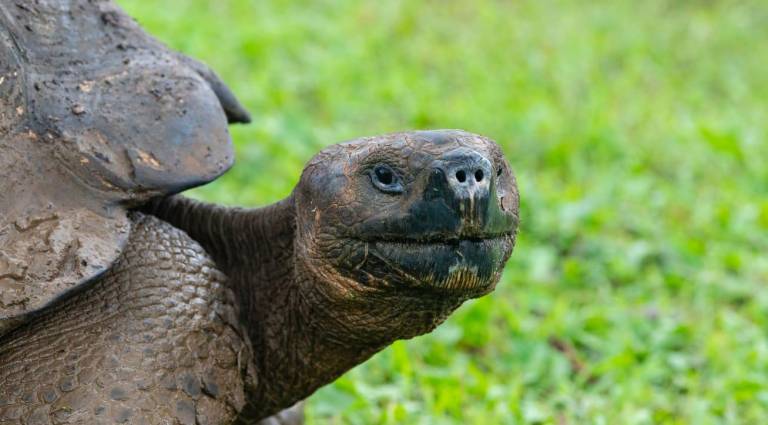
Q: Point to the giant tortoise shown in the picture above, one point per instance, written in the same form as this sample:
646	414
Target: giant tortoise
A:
122	302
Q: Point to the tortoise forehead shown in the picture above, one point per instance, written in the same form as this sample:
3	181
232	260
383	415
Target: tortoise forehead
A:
332	179
410	149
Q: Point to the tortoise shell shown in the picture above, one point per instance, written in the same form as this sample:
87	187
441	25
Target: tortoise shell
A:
96	117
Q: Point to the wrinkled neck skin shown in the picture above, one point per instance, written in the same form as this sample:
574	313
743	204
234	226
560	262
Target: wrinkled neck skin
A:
304	332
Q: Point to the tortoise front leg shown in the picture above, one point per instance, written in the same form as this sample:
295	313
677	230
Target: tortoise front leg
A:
154	341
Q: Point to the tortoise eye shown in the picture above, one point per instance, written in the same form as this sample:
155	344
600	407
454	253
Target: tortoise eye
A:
385	179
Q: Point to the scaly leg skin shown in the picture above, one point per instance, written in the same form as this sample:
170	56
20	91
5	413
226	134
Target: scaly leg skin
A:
154	341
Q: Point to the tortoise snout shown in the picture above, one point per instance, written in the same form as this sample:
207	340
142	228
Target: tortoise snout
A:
468	174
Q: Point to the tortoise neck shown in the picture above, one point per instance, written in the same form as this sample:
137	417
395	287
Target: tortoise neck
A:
239	239
301	337
302	345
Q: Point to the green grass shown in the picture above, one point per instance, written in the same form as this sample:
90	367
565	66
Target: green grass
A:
638	293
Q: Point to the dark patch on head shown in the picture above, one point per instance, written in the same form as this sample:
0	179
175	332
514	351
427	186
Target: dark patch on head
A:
49	395
190	384
185	412
144	384
61	415
210	387
67	384
168	382
122	415
39	416
118	394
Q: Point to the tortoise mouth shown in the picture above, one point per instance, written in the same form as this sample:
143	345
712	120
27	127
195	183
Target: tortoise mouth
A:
468	266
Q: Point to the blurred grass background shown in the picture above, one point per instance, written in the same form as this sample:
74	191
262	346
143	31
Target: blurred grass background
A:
637	293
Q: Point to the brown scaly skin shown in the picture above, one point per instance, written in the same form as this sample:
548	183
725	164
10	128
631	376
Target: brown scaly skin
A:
379	241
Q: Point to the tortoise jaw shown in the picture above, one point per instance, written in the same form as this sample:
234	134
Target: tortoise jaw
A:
465	267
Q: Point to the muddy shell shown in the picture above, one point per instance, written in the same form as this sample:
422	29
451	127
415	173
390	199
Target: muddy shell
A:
96	117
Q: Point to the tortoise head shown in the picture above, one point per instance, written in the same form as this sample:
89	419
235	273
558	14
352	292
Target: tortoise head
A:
406	226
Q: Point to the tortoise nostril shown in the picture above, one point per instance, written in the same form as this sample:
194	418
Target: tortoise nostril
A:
466	172
461	176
